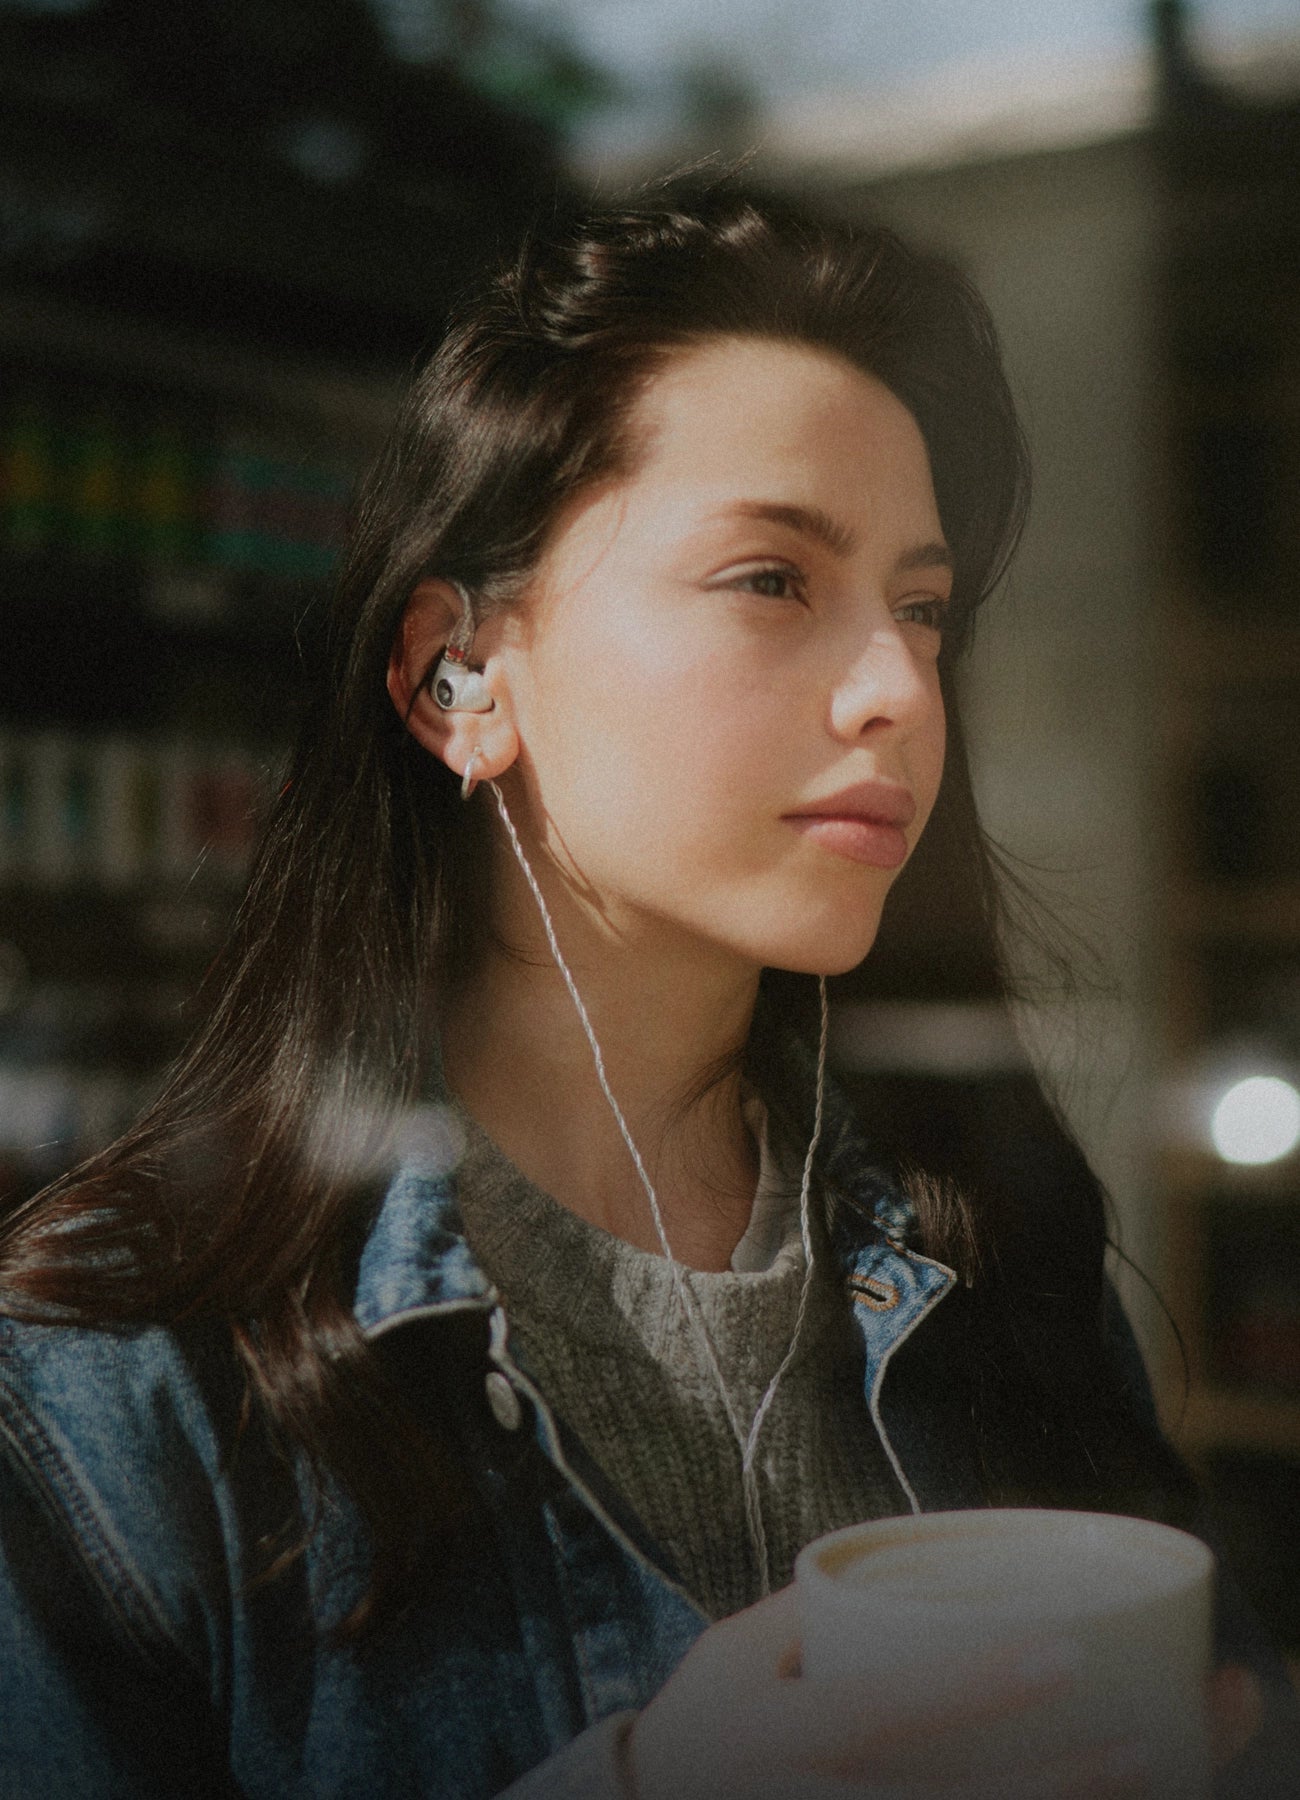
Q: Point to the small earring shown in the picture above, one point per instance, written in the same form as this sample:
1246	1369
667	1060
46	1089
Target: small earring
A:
469	780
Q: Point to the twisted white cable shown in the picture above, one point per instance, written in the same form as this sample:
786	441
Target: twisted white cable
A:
746	1441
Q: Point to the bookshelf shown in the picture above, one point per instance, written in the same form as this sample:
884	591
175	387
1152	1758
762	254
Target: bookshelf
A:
203	329
164	541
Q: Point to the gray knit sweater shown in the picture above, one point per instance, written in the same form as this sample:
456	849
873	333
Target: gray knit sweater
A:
598	1326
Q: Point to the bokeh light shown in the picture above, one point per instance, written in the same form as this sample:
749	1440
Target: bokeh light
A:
1257	1120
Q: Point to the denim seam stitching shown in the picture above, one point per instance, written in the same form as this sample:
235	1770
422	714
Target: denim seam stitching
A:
65	1499
588	1683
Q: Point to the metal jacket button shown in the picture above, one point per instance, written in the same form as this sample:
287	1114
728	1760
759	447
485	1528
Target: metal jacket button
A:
504	1401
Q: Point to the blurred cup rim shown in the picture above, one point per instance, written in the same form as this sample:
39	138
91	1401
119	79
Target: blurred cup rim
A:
1172	1560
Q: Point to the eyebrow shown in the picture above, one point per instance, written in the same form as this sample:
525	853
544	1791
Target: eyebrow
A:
810	520
926	556
835	536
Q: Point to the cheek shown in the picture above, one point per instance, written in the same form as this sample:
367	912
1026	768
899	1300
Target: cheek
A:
660	763
725	743
934	759
691	720
925	759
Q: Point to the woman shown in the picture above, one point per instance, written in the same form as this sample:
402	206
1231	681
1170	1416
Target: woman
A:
425	1395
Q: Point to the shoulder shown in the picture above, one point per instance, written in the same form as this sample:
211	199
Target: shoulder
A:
89	1394
115	1449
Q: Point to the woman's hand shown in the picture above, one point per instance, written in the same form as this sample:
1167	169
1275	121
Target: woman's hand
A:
732	1724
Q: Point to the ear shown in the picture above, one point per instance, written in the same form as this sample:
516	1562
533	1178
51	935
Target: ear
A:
428	619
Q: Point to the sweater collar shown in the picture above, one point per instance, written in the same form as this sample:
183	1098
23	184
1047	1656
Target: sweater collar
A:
416	1260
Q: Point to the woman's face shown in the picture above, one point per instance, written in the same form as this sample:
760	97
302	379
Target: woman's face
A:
724	673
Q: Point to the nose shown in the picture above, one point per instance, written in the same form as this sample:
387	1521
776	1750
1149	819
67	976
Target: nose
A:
889	687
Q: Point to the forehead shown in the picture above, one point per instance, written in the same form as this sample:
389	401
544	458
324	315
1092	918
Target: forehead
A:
758	414
739	423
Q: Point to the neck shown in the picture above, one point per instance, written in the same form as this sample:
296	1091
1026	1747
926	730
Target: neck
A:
668	1016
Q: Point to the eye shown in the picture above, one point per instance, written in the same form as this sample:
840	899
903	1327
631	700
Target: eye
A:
927	610
773	581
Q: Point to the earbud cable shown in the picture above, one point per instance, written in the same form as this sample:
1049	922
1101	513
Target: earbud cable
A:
747	1441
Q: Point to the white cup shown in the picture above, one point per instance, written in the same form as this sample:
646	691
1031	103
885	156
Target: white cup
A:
909	1602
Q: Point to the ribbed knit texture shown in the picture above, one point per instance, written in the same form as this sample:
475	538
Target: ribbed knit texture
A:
598	1326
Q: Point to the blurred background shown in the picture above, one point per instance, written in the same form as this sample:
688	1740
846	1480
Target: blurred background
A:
228	227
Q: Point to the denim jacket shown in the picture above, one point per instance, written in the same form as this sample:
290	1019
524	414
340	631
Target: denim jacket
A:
138	1657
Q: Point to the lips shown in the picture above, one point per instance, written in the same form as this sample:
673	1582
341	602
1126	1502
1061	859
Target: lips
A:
864	823
881	802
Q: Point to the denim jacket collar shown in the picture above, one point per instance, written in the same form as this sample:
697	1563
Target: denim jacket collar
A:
417	1262
416	1259
417	1266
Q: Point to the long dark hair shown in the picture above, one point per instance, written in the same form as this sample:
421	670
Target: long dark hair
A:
239	1198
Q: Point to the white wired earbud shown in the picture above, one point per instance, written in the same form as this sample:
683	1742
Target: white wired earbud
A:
455	683
458	686
747	1441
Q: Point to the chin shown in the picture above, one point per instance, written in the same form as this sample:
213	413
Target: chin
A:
826	953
